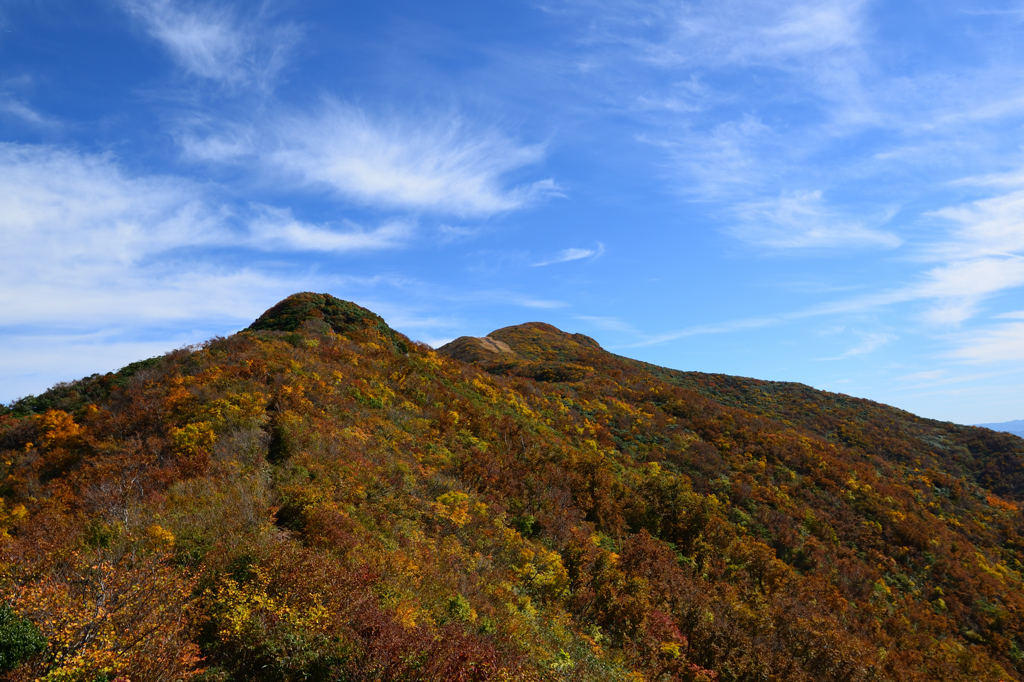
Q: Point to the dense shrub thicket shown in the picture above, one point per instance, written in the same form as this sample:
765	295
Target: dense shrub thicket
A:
317	498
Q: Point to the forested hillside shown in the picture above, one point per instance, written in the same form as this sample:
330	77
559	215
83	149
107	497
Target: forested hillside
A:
319	498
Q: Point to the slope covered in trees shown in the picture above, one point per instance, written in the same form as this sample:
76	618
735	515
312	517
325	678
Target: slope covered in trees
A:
318	498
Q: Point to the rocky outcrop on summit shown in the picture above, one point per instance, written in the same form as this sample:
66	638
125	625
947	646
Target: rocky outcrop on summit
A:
535	350
477	349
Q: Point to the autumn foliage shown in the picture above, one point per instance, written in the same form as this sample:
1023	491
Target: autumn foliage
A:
319	498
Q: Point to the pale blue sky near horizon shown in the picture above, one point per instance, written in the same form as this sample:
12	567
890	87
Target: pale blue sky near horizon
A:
823	192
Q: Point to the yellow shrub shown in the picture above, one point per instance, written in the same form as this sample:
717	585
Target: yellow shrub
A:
191	438
58	427
453	507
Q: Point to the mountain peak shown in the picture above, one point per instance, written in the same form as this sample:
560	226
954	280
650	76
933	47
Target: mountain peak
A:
343	317
534	349
540	341
478	350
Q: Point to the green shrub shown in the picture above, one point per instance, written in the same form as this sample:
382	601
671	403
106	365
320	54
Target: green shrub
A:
19	639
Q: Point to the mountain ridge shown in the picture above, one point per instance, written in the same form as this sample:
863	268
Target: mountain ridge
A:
317	497
565	352
1015	426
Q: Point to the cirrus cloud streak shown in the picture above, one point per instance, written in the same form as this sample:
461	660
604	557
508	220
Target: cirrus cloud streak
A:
436	164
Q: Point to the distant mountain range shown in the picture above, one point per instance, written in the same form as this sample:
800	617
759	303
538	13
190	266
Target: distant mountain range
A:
1016	427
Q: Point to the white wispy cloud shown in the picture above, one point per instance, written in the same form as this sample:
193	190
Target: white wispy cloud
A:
100	267
719	161
944	294
76	236
216	40
820	42
231	143
727	327
66	206
1014	178
455	233
982	255
1003	343
802	221
952	293
781	87
276	228
441	165
958	287
758	31
926	375
437	163
83	242
868	344
988	227
532	302
26	113
566	255
741	95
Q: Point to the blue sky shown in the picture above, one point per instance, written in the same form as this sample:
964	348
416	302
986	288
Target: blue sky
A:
824	192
